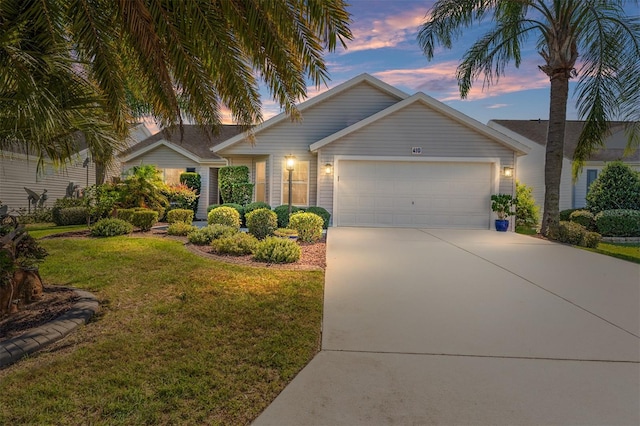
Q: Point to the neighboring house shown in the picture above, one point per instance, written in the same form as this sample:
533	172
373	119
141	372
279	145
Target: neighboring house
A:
19	170
367	152
533	133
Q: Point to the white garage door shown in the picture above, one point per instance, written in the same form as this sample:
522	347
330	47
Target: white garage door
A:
420	194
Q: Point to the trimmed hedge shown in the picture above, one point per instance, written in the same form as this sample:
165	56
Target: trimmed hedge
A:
204	236
277	250
618	223
125	214
255	206
261	223
180	215
70	216
308	225
616	187
283	214
224	215
575	234
111	227
239	244
144	219
565	215
323	213
181	229
584	218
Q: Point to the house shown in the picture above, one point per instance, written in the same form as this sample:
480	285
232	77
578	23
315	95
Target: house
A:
19	171
367	152
533	133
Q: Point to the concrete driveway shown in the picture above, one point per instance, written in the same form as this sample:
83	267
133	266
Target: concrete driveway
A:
469	327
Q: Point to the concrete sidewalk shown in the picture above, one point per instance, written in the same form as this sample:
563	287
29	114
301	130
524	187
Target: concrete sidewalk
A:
469	327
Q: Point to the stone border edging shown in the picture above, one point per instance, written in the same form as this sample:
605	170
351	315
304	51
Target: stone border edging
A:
82	310
621	239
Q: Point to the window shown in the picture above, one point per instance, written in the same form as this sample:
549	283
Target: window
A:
191	169
592	175
300	184
261	181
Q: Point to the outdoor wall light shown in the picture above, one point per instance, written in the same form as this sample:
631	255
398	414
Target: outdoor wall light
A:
508	171
290	162
328	168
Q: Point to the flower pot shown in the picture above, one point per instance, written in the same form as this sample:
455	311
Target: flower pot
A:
502	225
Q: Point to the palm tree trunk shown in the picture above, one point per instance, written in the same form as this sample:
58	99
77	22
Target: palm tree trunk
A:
554	152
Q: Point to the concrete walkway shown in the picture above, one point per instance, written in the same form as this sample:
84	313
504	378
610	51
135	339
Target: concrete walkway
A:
469	327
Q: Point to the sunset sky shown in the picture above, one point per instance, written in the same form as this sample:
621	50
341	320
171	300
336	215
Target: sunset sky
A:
385	46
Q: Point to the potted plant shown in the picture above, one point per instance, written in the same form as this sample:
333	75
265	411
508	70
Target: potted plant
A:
504	206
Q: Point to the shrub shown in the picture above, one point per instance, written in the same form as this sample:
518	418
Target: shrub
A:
71	216
180	228
144	219
323	213
39	215
617	187
527	212
237	207
285	233
239	244
125	214
233	182
111	227
180	196
565	215
277	250
205	235
224	215
242	193
193	181
618	223
584	218
262	223
64	203
211	207
180	215
590	239
255	206
283	214
570	232
308	225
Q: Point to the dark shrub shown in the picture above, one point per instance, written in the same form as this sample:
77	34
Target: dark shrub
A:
255	206
181	228
308	225
323	213
565	215
204	236
618	223
239	244
617	187
211	207
180	215
111	227
71	216
65	203
224	215
584	218
233	182
261	223
283	214
277	250
144	219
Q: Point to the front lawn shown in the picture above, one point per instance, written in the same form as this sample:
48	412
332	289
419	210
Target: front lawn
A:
180	339
630	252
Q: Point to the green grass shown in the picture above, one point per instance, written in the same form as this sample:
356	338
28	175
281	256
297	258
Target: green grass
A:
179	340
525	230
39	230
630	252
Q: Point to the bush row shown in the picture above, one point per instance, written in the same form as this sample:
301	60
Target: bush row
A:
609	223
282	212
576	234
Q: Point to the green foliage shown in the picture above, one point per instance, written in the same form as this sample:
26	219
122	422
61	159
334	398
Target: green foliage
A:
144	219
565	215
181	197
575	234
283	214
503	205
230	183
205	235
192	180
323	213
239	244
238	208
261	223
285	233
255	206
18	249
180	215
181	228
242	193
224	215
144	187
100	200
308	225
110	227
584	218
63	203
618	223
617	187
527	212
71	216
125	214
277	250
39	215
211	207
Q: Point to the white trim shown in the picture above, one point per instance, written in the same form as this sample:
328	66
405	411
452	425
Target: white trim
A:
379	84
495	172
467	121
283	170
173	147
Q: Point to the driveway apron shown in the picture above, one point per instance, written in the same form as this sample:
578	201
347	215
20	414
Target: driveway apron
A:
469	327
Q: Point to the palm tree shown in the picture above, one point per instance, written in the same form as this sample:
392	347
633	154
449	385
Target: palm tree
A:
593	40
69	65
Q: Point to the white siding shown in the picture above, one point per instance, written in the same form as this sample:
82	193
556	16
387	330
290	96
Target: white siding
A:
17	172
318	121
414	126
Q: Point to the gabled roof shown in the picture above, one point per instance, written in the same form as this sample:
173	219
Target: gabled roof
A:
536	131
316	100
446	110
194	145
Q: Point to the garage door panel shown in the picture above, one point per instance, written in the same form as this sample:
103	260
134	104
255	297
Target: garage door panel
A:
379	193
